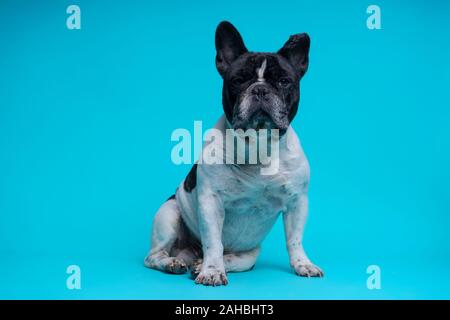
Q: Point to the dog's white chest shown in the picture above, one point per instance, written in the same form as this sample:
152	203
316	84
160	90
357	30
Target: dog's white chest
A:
250	201
252	204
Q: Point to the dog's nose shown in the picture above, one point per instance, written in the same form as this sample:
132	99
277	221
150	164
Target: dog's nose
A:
260	92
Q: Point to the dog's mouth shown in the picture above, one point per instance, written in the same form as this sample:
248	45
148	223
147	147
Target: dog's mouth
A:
260	120
257	121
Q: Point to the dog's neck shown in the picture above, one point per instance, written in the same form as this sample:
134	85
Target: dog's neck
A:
250	151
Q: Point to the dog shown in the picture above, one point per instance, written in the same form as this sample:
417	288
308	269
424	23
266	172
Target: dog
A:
215	222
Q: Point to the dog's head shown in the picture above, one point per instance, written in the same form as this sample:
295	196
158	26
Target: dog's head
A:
260	90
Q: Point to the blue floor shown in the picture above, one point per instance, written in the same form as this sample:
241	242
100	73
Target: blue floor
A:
124	277
38	278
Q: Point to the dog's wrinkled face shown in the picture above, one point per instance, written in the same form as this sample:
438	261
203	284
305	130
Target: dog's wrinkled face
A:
260	90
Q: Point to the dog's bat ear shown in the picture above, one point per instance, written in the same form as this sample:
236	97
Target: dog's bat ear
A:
296	51
229	46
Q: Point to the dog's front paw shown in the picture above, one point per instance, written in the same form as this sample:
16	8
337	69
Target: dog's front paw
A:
308	270
212	276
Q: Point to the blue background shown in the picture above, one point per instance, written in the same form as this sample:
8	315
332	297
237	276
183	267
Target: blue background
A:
86	118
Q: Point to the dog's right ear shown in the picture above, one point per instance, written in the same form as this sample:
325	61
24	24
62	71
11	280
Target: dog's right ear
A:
229	46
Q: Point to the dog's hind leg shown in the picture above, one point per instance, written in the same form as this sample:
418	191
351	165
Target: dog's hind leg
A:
242	261
188	255
166	230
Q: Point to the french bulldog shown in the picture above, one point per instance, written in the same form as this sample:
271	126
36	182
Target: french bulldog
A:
220	213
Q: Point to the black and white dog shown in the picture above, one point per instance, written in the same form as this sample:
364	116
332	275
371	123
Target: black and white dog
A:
220	214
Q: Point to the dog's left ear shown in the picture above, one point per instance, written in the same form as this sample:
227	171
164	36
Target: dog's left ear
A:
229	46
296	51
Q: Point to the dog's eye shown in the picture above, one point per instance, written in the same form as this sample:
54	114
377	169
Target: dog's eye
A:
284	82
237	81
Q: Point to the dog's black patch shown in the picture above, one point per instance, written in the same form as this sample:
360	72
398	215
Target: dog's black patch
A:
171	197
278	96
191	180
